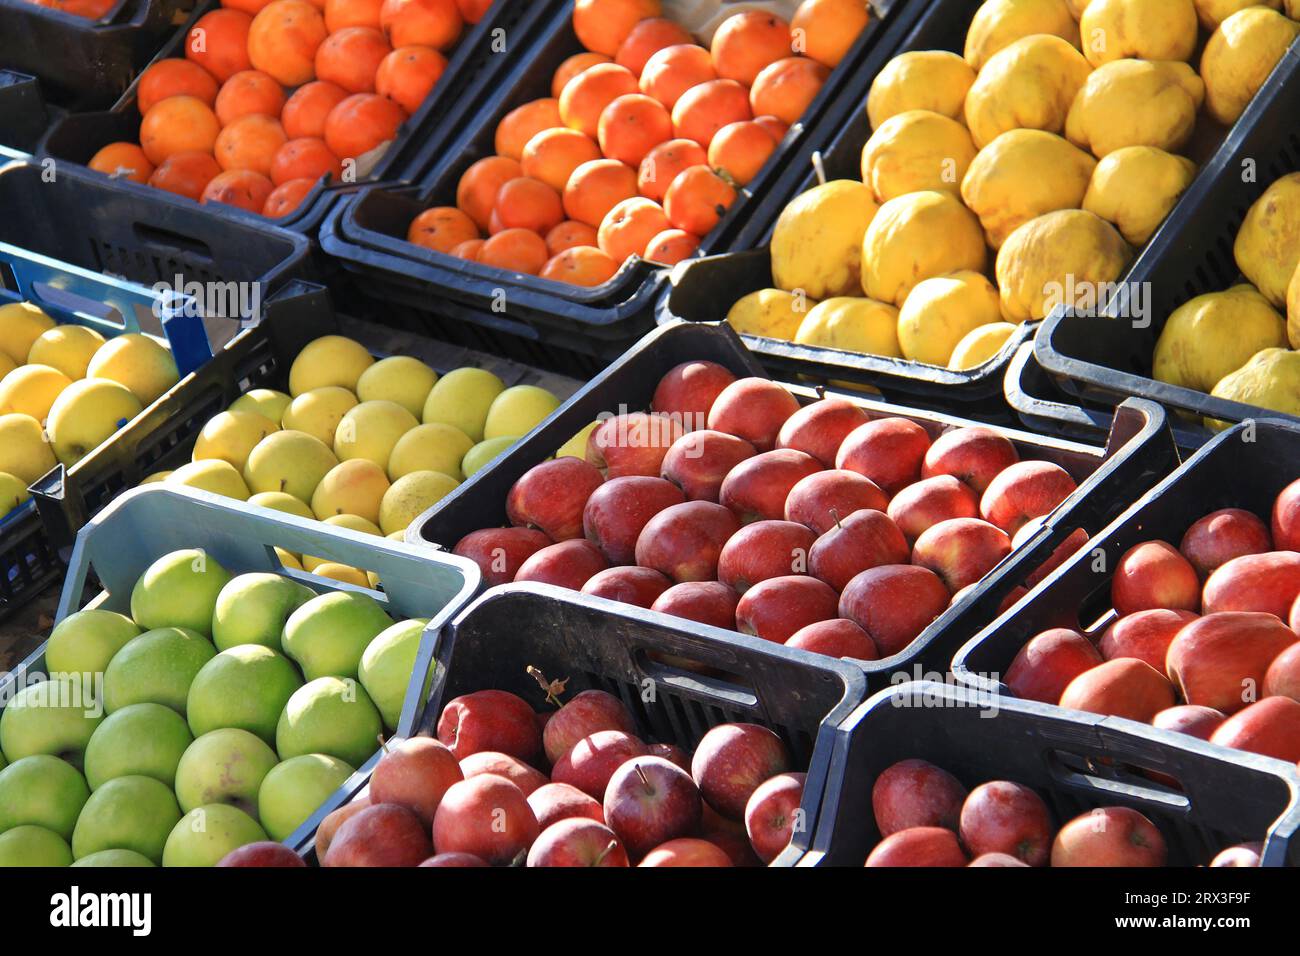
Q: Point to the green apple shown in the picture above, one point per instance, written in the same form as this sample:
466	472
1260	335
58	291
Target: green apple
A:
51	717
223	766
43	791
328	634
116	858
144	740
127	813
482	454
386	666
245	687
156	667
84	642
252	609
329	716
208	833
294	790
179	590
33	846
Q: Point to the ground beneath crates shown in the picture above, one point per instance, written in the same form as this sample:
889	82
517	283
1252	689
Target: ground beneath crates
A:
26	630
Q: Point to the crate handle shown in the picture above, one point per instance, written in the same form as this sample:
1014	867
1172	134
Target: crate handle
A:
160	236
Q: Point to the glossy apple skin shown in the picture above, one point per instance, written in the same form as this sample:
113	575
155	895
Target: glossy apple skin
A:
961	550
889	451
584	714
381	835
453	860
730	763
827	497
685	541
618	510
687	851
688	391
335	819
1270	727
894	604
266	853
1217	660
1124	687
1145	635
486	816
1112	837
1023	491
772	813
930	501
490	720
550	497
650	801
1154	575
1268	582
1004	817
757	488
577	841
1286	518
818	429
763	550
526	778
778	607
415	773
1283	676
918	846
705	602
973	455
1223	535
500	552
835	638
569	564
753	409
916	793
639	587
863	540
699	461
1047	664
591	761
632	444
560	801
996	859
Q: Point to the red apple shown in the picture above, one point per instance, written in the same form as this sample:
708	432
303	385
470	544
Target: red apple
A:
772	814
650	801
863	540
577	841
264	853
1124	687
1145	635
687	851
487	816
569	564
1270	727
618	510
961	550
698	461
381	835
763	550
684	541
586	713
1077	539
593	760
734	843
1294	618
730	763
929	501
415	773
973	455
632	444
1046	665
499	552
705	602
836	638
753	409
827	497
672	753
560	801
1154	575
1025	490
996	859
778	607
1109	836
916	793
918	846
1223	535
894	604
1192	719
889	451
524	777
456	860
1221	659
1244	854
335	819
1005	817
550	497
1267	582
757	488
689	390
1283	676
639	587
490	720
1286	518
820	428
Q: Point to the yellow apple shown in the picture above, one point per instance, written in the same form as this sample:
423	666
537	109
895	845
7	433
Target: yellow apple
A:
341	572
462	398
412	495
279	501
329	360
371	430
265	401
69	348
399	378
31	390
319	411
431	447
156	477
211	474
21	324
232	436
140	363
25	452
519	410
353	487
86	414
576	447
288	461
13	492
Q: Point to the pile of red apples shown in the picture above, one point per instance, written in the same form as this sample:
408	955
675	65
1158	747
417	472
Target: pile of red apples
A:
1205	640
926	817
816	527
503	785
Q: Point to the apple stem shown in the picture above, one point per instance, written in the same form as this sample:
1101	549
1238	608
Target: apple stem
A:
645	781
605	852
820	390
836	515
552	689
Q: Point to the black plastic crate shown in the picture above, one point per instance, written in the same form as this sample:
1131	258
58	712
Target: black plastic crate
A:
1075	762
1244	467
472	68
367	232
1103	360
23	113
81	62
1137	453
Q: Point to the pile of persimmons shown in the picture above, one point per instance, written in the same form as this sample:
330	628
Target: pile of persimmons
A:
90	9
274	95
643	142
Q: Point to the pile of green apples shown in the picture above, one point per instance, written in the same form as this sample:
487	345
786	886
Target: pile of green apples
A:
223	711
